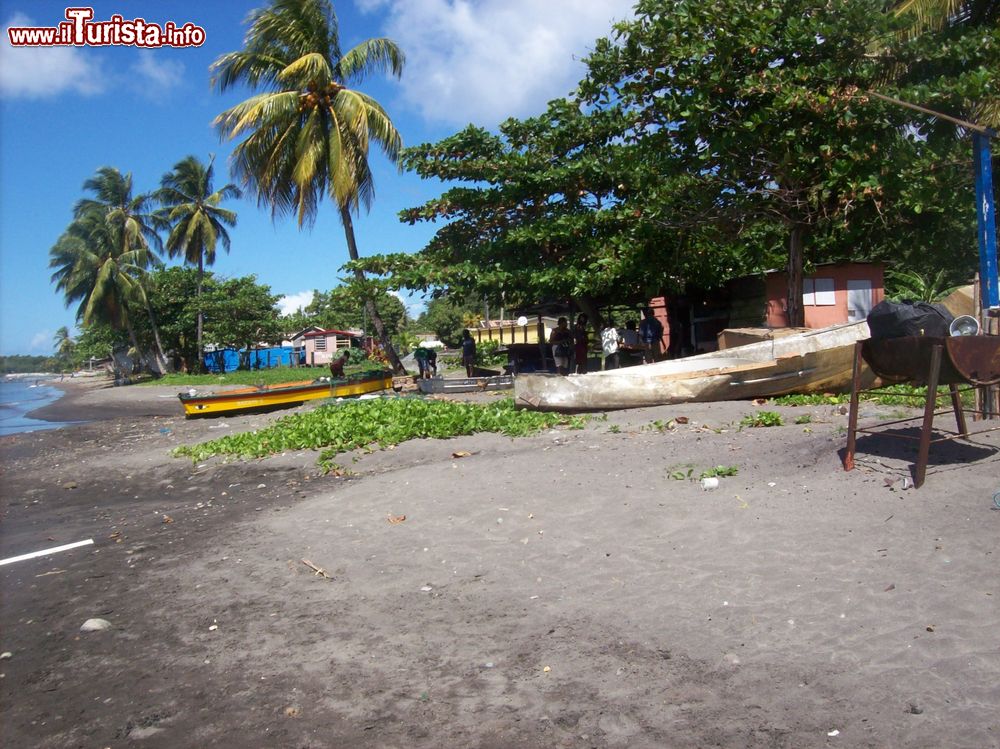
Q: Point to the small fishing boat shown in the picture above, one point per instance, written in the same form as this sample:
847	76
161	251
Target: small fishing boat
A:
286	394
465	384
816	361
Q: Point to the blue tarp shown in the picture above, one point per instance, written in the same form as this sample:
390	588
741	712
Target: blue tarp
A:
228	360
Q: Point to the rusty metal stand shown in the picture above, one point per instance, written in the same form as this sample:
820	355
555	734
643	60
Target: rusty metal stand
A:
927	427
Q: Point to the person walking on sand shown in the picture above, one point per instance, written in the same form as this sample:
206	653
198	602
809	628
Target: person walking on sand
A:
651	334
580	343
561	340
468	353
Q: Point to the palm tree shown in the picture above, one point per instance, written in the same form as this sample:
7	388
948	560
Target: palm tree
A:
306	137
64	344
197	223
93	268
130	223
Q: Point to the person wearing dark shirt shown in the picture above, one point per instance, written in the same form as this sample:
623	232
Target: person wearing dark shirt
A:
651	335
580	343
468	353
420	354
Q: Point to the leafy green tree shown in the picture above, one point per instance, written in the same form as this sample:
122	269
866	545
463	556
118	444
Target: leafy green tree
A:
446	317
98	341
344	308
241	314
176	302
536	214
760	110
306	137
196	219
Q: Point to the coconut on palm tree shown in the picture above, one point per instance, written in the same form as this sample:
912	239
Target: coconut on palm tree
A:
131	224
305	137
197	221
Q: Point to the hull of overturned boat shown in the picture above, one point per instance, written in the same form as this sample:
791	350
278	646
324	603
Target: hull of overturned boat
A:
815	361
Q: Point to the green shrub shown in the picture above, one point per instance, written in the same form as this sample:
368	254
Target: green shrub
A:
762	419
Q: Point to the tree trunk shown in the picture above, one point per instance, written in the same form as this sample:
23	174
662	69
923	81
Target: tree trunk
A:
201	274
589	308
135	342
159	358
796	315
383	337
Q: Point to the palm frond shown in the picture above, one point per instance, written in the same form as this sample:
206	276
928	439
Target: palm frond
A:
372	55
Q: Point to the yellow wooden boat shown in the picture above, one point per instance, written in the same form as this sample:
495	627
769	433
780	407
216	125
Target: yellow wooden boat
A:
286	394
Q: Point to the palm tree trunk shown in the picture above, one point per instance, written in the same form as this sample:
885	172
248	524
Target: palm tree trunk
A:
133	339
383	337
201	275
159	357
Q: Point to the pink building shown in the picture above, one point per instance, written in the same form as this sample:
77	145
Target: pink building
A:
836	293
322	345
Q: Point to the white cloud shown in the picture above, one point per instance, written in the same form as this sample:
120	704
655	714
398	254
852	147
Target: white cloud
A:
482	61
292	303
157	73
41	342
44	72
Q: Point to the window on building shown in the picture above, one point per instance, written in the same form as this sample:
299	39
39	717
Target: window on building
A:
818	292
321	343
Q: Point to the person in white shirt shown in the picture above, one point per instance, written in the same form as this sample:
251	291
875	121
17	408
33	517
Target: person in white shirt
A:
609	344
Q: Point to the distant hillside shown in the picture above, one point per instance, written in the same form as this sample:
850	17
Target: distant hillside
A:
18	363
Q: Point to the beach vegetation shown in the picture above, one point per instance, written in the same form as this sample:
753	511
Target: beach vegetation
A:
762	419
366	424
719	472
196	222
303	137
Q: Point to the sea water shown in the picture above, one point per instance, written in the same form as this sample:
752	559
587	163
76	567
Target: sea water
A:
18	397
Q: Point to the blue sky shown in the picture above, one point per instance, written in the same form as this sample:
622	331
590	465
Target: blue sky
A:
67	111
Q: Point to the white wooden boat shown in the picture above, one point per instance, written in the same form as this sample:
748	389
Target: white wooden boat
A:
465	384
817	361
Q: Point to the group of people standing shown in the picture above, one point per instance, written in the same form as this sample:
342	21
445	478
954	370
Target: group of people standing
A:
427	357
570	346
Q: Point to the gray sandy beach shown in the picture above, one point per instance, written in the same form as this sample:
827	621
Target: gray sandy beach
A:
560	590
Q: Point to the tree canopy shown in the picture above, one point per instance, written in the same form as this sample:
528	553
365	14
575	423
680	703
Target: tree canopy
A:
711	140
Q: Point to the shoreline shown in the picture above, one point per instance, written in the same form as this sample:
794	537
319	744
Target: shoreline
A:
101	400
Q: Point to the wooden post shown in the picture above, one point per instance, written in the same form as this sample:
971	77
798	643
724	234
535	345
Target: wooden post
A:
852	420
956	403
928	425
